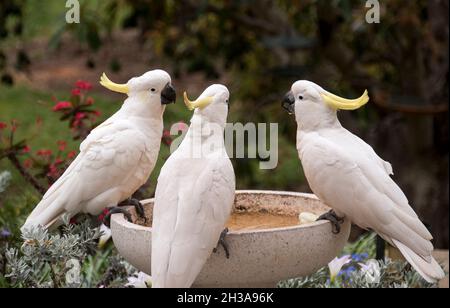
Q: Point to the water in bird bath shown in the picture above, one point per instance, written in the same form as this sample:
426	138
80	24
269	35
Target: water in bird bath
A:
240	220
259	220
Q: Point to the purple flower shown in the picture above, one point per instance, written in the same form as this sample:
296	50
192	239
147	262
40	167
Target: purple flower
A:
345	273
5	233
359	257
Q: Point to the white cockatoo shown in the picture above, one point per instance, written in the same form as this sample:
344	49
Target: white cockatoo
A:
116	158
194	195
346	174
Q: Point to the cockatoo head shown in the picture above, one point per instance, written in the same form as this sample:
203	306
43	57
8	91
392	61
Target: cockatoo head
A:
313	106
154	86
212	104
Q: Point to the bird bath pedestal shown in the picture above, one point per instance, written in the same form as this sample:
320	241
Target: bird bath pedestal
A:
261	255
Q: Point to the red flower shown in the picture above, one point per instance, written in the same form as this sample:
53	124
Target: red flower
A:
3	125
102	216
62	105
166	133
26	149
89	101
71	154
52	171
96	113
76	123
83	85
76	92
62	145
166	138
80	115
44	153
58	161
28	163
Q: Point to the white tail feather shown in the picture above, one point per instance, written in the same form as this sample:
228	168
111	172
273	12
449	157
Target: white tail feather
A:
430	271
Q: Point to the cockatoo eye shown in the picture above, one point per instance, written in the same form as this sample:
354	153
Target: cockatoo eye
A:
153	90
300	97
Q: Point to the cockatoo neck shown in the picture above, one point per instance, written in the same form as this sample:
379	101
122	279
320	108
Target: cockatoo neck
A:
146	115
143	106
313	120
203	139
205	132
201	122
215	115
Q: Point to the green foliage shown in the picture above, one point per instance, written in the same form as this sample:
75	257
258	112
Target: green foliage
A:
52	259
366	244
317	280
99	19
392	274
42	260
11	25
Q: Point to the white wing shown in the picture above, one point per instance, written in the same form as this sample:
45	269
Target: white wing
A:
193	201
106	169
351	180
354	144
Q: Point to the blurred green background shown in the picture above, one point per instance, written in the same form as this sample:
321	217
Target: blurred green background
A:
256	48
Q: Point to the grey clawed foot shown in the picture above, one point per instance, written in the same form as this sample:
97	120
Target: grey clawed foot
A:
222	242
137	205
335	220
106	216
114	210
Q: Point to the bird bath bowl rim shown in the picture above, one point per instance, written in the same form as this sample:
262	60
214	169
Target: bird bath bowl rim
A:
120	218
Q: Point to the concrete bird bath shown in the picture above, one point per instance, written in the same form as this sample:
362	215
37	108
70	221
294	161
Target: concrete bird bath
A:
262	253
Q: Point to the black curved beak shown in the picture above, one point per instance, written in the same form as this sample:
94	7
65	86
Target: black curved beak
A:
168	95
289	102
